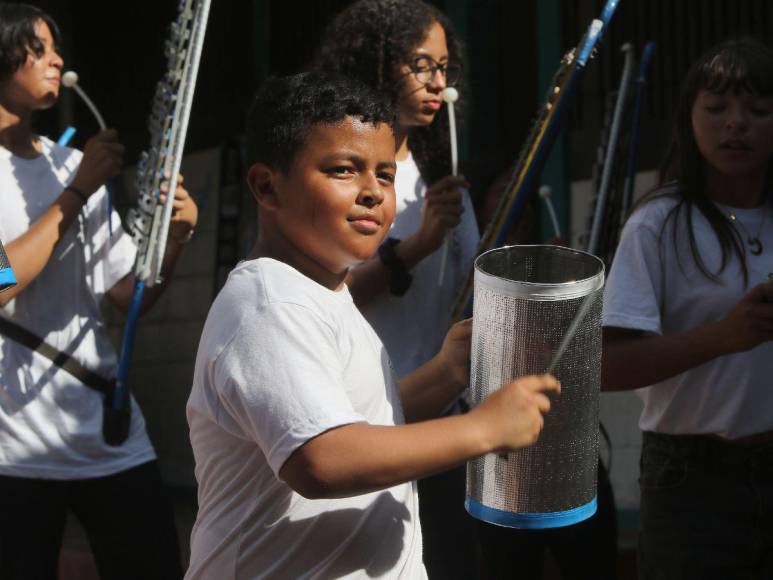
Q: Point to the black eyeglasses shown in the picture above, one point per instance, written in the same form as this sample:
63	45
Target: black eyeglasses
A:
424	69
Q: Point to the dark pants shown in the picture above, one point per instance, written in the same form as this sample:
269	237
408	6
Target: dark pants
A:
706	508
584	551
127	518
447	529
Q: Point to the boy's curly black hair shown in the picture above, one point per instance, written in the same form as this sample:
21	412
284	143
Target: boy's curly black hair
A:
369	39
286	108
18	37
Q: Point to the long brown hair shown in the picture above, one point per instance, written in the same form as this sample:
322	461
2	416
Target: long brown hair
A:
741	65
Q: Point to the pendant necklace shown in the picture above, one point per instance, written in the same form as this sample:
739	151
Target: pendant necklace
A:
754	243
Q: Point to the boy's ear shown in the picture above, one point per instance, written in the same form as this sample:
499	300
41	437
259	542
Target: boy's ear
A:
262	181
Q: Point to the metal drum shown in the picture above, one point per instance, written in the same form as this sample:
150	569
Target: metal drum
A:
526	298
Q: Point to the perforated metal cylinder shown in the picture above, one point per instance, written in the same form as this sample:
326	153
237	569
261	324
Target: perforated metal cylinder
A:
526	298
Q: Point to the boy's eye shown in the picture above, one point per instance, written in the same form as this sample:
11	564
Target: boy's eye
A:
339	170
386	176
714	108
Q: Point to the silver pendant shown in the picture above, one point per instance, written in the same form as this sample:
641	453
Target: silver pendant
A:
755	246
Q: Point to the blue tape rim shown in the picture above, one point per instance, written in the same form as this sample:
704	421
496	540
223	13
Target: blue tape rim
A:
7	278
530	521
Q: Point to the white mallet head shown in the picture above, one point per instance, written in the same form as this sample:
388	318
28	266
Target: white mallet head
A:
70	78
545	192
450	95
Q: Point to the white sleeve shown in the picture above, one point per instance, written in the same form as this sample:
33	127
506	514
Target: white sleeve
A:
281	380
113	248
633	292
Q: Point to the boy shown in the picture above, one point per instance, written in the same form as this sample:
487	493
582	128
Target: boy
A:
304	466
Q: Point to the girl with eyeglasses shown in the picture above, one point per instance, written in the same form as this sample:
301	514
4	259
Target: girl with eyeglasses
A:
688	320
408	50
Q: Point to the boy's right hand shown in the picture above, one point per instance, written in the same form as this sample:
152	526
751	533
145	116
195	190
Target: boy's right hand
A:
102	159
512	417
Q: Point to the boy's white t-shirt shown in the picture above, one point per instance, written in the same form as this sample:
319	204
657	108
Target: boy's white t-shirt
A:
414	325
281	360
50	423
652	287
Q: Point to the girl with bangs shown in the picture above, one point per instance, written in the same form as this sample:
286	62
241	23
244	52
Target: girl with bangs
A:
688	321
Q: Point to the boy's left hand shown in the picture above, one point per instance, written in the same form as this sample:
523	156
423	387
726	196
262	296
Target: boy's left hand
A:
185	213
455	352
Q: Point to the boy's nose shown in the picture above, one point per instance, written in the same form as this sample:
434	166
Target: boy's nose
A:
370	194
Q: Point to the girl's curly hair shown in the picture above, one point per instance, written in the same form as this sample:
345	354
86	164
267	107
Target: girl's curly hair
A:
369	39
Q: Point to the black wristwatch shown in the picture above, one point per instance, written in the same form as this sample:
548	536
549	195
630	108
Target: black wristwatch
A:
397	274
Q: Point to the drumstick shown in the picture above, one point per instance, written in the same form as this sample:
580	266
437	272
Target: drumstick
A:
545	192
450	96
574	326
70	80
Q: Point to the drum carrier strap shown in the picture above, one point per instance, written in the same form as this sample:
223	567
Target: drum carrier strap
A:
61	359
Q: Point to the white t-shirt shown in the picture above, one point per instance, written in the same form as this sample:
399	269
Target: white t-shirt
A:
283	359
413	326
650	289
50	423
